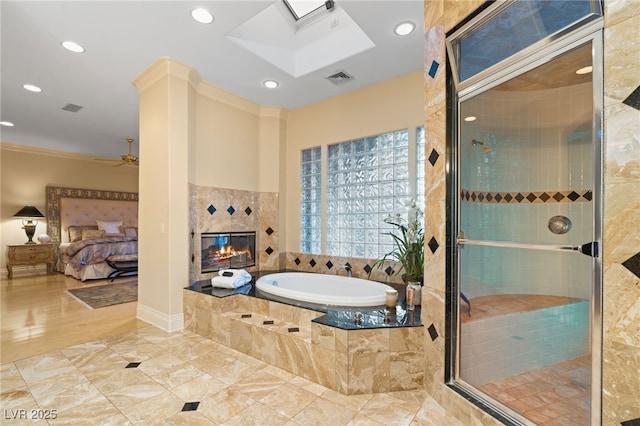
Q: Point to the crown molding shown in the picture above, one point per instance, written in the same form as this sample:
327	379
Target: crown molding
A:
24	149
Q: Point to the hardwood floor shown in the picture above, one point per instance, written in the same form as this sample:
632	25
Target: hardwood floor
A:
38	316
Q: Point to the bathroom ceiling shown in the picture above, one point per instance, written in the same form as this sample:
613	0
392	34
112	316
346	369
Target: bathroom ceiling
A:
123	38
558	73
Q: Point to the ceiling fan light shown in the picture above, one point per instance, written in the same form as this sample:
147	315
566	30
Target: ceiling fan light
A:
270	84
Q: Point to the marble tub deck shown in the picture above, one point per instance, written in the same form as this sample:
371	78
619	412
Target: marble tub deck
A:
376	355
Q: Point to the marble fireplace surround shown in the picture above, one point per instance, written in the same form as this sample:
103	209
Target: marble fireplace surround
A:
348	361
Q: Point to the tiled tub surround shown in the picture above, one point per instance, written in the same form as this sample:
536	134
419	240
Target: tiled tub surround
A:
373	357
232	210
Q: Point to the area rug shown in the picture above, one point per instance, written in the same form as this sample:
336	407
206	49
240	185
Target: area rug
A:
106	295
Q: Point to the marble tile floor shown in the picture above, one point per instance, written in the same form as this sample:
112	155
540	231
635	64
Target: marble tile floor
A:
147	376
556	395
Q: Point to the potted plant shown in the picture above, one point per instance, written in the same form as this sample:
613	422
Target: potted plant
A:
408	240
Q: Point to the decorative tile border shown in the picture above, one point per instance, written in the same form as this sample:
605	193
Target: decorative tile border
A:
571	196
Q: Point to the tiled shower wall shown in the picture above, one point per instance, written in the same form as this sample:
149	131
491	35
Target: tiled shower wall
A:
221	209
536	163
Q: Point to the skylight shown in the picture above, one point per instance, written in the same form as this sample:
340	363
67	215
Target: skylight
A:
301	8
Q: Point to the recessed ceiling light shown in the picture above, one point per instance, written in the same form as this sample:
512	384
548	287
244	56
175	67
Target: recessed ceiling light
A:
470	118
72	46
6	123
404	28
270	84
585	70
202	15
32	88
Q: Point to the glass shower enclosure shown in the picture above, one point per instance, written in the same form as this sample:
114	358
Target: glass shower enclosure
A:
526	271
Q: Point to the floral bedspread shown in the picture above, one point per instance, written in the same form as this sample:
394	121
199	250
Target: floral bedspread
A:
97	250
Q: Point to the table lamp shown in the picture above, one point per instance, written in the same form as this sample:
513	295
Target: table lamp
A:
29	221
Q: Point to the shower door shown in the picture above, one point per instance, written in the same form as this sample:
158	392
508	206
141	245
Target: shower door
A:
528	184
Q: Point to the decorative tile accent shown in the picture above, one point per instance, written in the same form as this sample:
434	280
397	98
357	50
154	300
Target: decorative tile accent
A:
133	365
633	100
329	264
632	422
190	406
633	264
433	157
312	263
293	329
248	211
389	270
269	231
297	261
211	209
367	268
583	195
269	250
433	244
245	316
193	258
268	322
433	332
433	69
231	210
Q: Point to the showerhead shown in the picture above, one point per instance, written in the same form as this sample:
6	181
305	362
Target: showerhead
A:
484	146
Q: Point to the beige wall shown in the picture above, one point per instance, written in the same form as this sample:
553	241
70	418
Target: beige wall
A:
391	105
25	172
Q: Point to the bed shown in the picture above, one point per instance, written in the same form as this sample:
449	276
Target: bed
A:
89	227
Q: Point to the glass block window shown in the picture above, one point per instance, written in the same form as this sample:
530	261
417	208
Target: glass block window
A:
311	201
420	165
367	179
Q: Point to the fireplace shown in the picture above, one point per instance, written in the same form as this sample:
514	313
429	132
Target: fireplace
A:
222	250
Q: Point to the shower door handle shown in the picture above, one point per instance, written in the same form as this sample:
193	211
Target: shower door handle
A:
589	249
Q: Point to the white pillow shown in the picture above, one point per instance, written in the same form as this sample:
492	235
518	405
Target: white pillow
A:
109	227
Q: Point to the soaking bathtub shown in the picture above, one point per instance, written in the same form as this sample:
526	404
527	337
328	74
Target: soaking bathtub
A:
323	289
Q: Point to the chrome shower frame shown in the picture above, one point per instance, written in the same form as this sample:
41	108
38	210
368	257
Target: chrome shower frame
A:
588	31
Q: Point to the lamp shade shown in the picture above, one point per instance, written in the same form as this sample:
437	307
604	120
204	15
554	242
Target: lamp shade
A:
28	211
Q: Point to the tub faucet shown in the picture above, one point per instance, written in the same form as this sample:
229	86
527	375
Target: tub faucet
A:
346	267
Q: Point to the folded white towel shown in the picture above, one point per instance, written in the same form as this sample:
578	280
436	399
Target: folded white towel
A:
231	278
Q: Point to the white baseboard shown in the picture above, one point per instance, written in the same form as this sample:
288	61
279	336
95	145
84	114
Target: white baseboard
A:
168	323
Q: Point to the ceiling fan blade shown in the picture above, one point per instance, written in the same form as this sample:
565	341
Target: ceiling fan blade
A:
105	159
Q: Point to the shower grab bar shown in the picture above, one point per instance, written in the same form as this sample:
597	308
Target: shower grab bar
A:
589	249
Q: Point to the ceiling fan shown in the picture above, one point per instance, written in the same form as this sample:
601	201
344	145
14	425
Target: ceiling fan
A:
127	159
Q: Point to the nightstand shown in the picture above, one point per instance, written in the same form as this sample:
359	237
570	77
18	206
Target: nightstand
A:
30	254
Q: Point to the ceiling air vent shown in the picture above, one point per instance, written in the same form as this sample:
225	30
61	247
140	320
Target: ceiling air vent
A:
72	108
340	77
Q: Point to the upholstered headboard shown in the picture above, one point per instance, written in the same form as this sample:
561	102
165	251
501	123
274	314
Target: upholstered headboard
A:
82	207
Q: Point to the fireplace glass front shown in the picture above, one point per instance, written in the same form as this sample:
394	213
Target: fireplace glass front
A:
222	250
